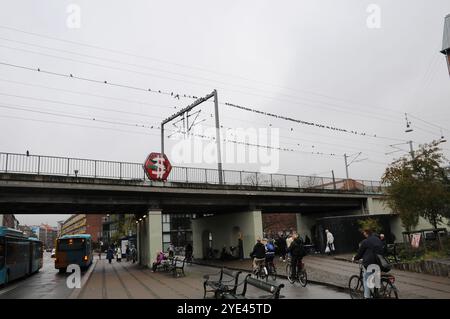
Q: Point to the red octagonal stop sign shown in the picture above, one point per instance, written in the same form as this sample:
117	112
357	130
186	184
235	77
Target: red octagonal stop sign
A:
157	167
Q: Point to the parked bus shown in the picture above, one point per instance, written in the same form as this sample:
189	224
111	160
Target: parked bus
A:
73	249
19	256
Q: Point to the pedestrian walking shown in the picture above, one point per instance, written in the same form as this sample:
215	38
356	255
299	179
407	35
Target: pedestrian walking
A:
134	254
118	254
127	253
329	249
241	247
110	254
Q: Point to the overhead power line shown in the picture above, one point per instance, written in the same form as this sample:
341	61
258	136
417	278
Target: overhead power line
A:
303	101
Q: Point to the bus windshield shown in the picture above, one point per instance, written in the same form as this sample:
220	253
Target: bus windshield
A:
71	244
2	252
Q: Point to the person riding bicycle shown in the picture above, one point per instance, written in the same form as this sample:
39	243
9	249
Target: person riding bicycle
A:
258	254
369	248
297	251
270	252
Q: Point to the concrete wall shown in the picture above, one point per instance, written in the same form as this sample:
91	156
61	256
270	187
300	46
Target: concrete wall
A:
224	231
377	205
397	228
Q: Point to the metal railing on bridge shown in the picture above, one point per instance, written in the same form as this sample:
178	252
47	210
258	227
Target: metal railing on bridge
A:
64	166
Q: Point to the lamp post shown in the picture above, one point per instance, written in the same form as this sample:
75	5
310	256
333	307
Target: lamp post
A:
446	41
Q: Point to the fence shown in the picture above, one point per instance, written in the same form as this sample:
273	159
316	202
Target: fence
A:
64	166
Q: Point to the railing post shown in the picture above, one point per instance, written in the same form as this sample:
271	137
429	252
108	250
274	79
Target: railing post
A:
39	165
6	167
95	168
68	166
285	181
206	176
256	179
240	178
186	174
298	181
120	170
271	180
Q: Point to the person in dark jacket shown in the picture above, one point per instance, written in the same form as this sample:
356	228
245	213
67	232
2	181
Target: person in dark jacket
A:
369	248
297	251
188	252
384	243
258	254
110	254
241	247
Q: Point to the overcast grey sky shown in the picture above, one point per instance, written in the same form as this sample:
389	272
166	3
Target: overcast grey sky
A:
313	60
37	219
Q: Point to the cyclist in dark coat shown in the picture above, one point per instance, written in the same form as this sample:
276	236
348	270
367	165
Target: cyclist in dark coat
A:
297	250
258	254
369	248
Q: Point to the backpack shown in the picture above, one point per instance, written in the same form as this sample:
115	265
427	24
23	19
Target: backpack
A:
270	247
385	266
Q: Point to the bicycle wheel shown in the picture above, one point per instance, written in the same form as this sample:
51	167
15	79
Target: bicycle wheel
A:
356	287
303	278
289	273
387	290
273	273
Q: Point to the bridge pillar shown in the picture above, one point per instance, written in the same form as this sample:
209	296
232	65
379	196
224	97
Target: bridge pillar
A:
215	232
154	239
149	237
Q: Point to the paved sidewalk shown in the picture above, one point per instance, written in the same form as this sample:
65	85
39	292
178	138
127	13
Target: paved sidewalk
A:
331	271
125	280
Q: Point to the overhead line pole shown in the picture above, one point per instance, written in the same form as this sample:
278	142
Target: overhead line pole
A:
187	109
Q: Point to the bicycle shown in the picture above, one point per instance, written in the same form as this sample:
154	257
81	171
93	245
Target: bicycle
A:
271	270
261	271
302	276
387	289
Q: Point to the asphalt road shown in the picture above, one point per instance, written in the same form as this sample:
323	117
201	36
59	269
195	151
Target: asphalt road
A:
48	283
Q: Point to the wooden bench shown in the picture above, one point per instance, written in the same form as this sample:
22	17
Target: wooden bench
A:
274	290
220	285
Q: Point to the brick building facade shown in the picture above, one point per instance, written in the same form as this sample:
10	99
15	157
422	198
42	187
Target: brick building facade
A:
9	220
281	222
84	224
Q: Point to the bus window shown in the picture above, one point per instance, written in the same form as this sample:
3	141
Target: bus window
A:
71	244
2	252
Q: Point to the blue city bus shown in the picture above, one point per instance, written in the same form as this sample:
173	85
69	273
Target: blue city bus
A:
19	256
73	249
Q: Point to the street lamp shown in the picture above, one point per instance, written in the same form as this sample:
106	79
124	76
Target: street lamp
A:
446	41
408	124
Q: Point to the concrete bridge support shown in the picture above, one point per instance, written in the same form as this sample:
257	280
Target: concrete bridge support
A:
149	237
223	230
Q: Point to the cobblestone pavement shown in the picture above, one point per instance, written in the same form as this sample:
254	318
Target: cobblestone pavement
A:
130	281
329	270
